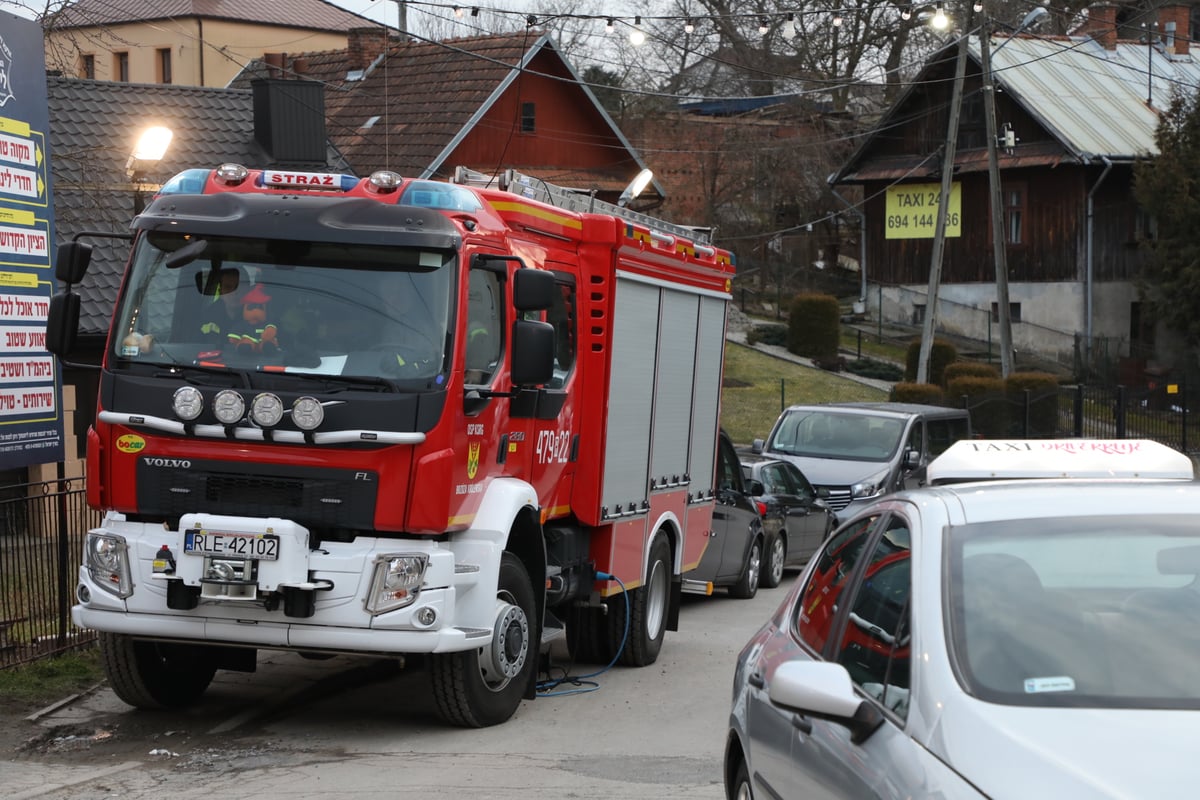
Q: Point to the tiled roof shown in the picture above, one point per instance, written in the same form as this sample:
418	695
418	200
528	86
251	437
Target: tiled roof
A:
93	127
307	14
407	111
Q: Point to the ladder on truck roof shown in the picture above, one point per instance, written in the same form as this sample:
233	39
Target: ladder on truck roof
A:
577	200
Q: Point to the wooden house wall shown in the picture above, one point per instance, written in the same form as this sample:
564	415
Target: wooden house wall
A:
568	129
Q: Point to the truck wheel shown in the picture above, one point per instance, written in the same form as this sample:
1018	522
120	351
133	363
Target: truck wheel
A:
772	571
154	675
478	688
648	606
747	585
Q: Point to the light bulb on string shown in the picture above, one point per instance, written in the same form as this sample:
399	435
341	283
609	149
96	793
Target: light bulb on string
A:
458	12
689	26
939	21
837	19
789	27
636	37
977	6
906	13
763	26
609	25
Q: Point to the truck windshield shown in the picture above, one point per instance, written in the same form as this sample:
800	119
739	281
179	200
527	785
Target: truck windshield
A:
284	306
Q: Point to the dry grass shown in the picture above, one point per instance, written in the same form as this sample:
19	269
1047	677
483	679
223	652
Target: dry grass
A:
759	386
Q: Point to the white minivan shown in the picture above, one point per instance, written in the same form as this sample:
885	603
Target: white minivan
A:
855	452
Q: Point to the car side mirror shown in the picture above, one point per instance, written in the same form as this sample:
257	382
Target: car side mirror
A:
912	459
757	447
755	487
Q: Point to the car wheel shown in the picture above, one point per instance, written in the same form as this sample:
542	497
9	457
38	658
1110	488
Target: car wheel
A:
156	676
747	585
478	688
740	790
772	571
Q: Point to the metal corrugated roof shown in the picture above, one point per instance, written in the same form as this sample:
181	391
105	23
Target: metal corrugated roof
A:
1092	99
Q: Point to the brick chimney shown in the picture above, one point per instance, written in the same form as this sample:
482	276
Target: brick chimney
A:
364	45
1102	25
1175	22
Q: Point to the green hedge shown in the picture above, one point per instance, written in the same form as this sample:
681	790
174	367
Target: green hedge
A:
814	327
928	394
968	369
941	355
986	399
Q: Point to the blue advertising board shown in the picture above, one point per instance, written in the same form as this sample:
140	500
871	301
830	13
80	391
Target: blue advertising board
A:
31	413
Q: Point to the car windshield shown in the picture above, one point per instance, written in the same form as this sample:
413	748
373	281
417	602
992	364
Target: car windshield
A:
1079	611
290	307
836	434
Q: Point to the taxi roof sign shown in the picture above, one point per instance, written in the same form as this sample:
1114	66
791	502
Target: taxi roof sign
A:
1014	459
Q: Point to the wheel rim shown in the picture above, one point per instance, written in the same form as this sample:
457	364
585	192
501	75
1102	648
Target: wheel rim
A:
778	553
754	566
656	598
743	791
504	658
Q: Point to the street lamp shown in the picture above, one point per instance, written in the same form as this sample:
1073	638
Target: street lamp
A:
999	237
635	187
150	148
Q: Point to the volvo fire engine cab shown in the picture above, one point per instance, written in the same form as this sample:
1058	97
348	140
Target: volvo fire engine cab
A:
394	416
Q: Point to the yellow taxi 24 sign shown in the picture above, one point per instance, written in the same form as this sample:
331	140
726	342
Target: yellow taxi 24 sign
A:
912	210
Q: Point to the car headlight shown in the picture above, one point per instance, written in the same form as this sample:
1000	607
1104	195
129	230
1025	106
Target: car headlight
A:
396	581
864	489
107	560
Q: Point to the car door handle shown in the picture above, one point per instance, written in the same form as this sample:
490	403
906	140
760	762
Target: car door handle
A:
802	723
756	680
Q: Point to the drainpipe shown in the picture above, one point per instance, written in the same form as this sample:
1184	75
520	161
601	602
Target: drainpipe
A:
1088	280
200	48
862	246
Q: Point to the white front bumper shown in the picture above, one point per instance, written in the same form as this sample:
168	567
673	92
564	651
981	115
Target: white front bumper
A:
459	587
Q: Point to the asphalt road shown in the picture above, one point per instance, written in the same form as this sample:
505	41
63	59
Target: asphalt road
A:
350	727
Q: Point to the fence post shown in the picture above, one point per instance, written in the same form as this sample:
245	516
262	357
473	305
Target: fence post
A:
1183	405
63	555
1120	412
858	355
1077	423
782	400
1026	421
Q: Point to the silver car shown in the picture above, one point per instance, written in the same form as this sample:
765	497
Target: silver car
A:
1016	639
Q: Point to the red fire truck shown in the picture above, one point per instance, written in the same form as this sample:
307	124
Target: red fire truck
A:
393	416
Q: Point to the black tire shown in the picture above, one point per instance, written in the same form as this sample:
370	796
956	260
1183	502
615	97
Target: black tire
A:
478	688
776	557
740	788
747	585
649	605
587	635
156	676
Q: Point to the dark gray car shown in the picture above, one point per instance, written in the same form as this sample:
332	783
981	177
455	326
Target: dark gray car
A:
733	557
796	520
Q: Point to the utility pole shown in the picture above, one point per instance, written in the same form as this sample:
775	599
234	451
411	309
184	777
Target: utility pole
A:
999	235
939	237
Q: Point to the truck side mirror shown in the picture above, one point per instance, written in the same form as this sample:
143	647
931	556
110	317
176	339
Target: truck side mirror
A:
532	352
71	262
533	289
62	323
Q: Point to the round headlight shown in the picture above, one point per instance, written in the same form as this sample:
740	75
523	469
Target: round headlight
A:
188	403
307	413
232	173
385	180
229	406
106	553
266	410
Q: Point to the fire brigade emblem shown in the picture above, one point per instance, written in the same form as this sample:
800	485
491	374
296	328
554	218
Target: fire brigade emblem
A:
5	79
472	460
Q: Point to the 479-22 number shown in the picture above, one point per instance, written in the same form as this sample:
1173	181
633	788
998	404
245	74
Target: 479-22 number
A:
553	447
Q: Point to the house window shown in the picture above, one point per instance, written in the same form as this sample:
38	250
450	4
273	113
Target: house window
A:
1014	312
1014	214
164	64
972	131
121	66
528	117
87	67
1145	226
918	313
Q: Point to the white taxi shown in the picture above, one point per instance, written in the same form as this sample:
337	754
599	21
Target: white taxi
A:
1023	637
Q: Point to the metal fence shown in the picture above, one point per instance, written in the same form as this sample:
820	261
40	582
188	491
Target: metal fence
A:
1091	412
42	526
